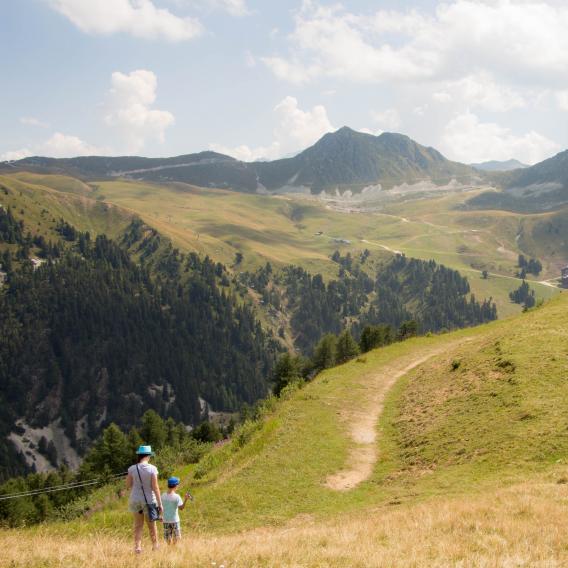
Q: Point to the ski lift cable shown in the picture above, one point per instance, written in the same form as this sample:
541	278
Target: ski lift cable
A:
71	484
63	487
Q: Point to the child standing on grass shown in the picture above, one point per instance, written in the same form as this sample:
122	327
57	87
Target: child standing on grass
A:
172	503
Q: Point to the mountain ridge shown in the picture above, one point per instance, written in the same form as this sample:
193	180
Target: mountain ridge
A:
344	159
538	188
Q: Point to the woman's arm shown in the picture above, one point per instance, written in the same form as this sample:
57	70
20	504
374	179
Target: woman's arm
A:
129	481
156	490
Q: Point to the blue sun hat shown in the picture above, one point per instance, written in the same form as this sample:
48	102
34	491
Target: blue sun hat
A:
145	451
173	481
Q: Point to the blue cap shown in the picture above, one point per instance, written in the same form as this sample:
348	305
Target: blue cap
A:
173	481
145	451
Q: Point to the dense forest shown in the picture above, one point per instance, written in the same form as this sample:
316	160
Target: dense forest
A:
93	337
403	289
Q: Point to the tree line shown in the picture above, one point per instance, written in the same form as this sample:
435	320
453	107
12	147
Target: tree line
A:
94	336
403	289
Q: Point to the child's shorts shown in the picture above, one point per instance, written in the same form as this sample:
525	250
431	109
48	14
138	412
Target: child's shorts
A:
172	531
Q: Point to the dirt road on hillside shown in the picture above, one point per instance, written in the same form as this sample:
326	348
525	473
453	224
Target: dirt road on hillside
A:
363	422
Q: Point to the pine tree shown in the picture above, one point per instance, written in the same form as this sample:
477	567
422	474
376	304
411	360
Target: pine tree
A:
153	430
346	348
324	353
286	370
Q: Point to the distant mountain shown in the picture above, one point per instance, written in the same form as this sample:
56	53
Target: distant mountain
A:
497	166
542	187
206	169
344	159
347	159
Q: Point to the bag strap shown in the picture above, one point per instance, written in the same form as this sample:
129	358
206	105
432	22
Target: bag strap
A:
142	485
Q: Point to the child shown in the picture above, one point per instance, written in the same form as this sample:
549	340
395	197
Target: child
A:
172	502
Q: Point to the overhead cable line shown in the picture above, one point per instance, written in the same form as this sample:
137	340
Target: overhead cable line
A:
63	487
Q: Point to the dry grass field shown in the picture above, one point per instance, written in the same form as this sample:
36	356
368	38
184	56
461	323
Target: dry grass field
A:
521	526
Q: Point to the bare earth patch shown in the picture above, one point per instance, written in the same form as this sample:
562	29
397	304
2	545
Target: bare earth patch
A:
363	424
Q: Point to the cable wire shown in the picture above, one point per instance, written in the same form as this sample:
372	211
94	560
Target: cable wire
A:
63	487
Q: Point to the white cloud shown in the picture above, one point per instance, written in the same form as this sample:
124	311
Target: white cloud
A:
296	129
67	146
523	40
128	109
327	40
247	154
139	18
480	90
16	155
467	139
388	119
58	145
32	121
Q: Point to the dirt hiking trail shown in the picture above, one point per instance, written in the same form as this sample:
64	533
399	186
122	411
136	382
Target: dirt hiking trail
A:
362	423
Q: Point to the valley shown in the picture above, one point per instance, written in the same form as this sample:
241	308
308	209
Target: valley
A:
295	230
283	284
358	450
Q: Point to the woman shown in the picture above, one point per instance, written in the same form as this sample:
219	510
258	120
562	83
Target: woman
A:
142	480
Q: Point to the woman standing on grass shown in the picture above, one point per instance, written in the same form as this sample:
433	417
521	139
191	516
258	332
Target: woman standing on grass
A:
145	498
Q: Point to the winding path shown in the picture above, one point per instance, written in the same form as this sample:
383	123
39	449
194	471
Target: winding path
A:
363	422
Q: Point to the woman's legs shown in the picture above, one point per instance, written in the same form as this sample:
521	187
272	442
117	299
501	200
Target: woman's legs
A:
153	530
138	526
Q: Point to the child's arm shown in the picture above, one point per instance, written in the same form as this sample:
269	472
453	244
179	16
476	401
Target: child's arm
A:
187	496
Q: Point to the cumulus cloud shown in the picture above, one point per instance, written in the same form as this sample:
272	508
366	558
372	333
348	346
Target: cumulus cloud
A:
519	39
467	139
129	109
16	155
246	153
58	145
480	90
61	145
139	18
295	130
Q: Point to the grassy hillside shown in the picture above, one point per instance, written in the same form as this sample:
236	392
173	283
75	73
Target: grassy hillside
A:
283	230
43	200
481	415
303	232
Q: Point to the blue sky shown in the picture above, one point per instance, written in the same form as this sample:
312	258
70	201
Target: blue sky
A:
477	79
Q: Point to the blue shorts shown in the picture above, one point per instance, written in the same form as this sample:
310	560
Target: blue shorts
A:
172	531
